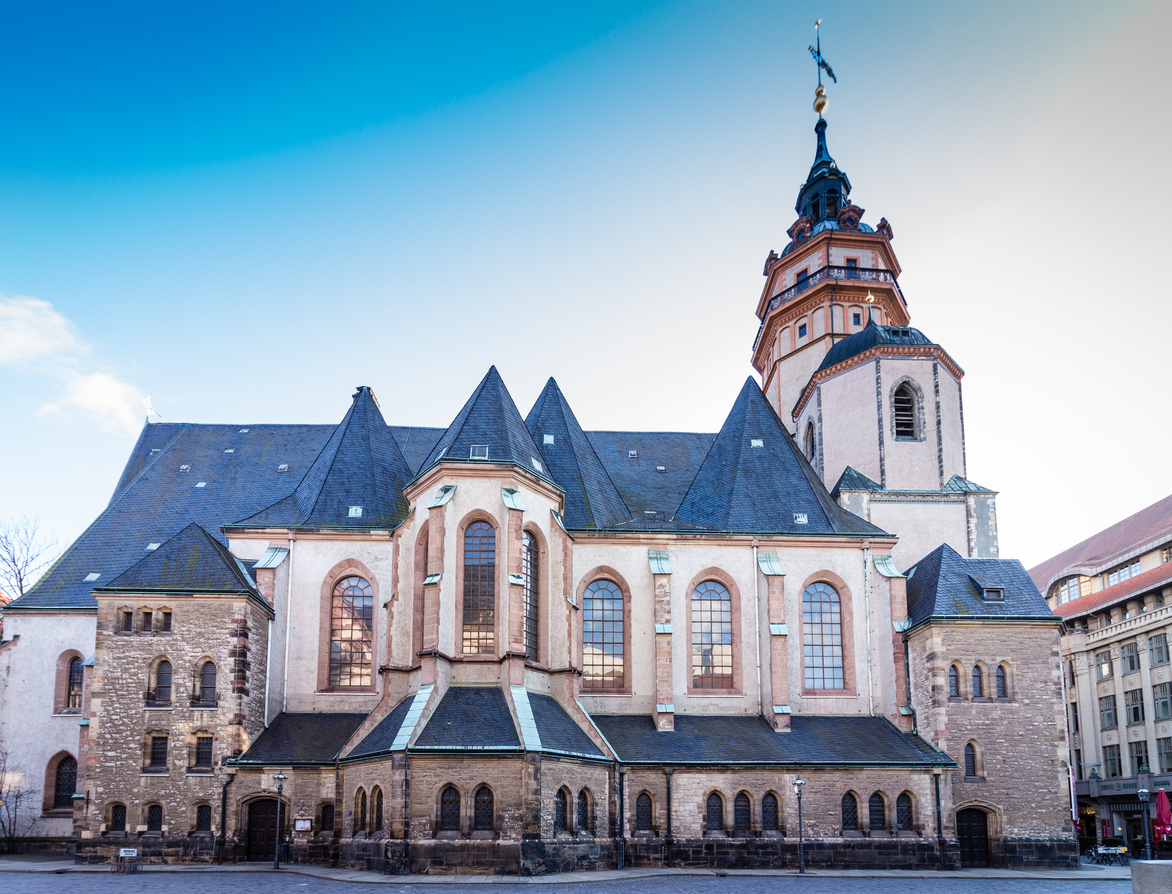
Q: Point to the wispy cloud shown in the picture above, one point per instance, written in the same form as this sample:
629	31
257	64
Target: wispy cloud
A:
38	340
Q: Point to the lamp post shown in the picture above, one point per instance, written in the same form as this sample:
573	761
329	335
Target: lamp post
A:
798	784
1144	794
280	777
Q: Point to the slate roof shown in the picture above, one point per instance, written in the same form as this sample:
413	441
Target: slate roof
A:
360	466
813	740
740	487
592	500
380	739
557	728
489	418
302	739
852	479
473	718
641	485
870	336
193	561
416	442
945	584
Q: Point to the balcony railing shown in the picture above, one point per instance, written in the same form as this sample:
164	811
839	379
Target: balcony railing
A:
843	274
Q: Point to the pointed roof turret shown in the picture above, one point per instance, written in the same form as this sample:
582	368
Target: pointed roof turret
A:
755	479
193	561
489	428
825	179
356	481
592	500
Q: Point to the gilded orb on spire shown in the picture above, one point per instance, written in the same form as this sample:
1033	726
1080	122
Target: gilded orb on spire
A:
820	100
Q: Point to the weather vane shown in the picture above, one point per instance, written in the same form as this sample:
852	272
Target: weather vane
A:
823	66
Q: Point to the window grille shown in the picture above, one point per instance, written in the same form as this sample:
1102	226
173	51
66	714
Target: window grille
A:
449	810
742	813
714	814
360	813
207	683
479	588
203	818
155	818
483	819
904	410
163	682
1002	683
769	813
970	760
643	813
603	664
1107	718
65	783
1158	649
712	637
822	637
1137	753
203	751
351	633
118	818
327	818
376	824
850	813
158	751
559	811
903	812
1112	766
73	692
876	813
1129	658
978	683
580	822
529	568
1133	702
1162	700
953	682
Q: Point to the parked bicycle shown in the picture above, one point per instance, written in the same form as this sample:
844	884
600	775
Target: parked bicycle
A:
1104	855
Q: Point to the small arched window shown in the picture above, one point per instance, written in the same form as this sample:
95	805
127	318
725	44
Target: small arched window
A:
850	813
978	683
603	665
376	819
162	682
903	812
904	411
559	811
769	813
810	445
73	685
65	782
643	812
742	813
970	760
876	813
479	624
449	810
1002	682
360	812
529	561
953	682
581	820
207	683
483	815
714	814
822	637
351	634
712	637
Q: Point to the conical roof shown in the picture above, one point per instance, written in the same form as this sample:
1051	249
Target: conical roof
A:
491	423
356	481
824	176
193	561
592	501
755	480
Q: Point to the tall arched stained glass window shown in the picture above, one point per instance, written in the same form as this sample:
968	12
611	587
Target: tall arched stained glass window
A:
603	664
529	572
822	637
712	637
351	633
903	812
64	782
479	589
163	682
559	811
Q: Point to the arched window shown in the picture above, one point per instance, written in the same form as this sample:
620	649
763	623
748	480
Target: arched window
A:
203	818
479	588
603	665
207	684
421	573
769	813
483	805
815	206
876	813
831	203
559	811
1002	682
581	823
449	810
742	813
904	411
953	682
360	812
65	782
117	818
850	813
203	751
73	685
978	683
162	693
970	760
903	812
155	818
643	812
810	445
822	637
712	637
351	634
529	572
376	819
327	818
714	814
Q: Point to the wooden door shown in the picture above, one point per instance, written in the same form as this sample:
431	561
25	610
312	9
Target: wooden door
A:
262	829
972	830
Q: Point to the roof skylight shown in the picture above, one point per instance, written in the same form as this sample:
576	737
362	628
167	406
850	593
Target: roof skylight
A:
537	464
801	518
633	454
548	439
244	431
153	546
478	451
230	450
283	467
202	484
186	467
355	512
92	576
757	442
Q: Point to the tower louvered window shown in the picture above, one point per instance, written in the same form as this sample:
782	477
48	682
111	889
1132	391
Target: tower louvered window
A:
483	810
903	812
603	664
876	813
850	813
714	814
904	411
351	634
712	637
769	813
742	813
479	626
643	813
529	572
822	637
450	810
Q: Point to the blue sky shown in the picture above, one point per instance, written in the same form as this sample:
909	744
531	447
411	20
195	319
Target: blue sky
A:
246	212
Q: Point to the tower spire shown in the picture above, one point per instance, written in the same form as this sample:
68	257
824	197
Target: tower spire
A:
821	65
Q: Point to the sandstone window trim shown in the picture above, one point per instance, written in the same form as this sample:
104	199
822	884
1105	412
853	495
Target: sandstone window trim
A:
820	586
478	588
714	815
154	816
201	825
60	784
358	826
644	813
531	567
743	813
484	810
849	812
584	812
448	810
69	685
376	812
561	812
877	813
974	761
203	683
770	812
115	819
905	814
907	410
955	678
605	598
714	616
978	682
348	623
160	683
1003	682
326	817
421	556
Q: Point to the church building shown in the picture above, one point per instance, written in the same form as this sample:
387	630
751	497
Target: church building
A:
512	645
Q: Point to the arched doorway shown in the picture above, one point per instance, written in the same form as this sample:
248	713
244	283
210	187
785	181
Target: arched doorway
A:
262	829
972	831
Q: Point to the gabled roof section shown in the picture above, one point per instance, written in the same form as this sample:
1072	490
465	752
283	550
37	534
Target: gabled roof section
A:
192	561
852	479
490	419
947	586
958	485
592	500
302	739
356	481
755	479
470	718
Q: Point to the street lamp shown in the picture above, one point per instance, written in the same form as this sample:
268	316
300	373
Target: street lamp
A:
280	777
798	785
1144	794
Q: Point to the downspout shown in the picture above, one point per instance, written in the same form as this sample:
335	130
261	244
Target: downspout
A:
288	616
907	676
224	814
668	774
268	669
757	626
622	816
939	820
867	619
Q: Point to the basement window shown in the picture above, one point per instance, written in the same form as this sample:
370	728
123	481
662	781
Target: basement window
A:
478	451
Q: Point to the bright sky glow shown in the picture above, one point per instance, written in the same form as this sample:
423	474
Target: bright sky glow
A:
246	212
